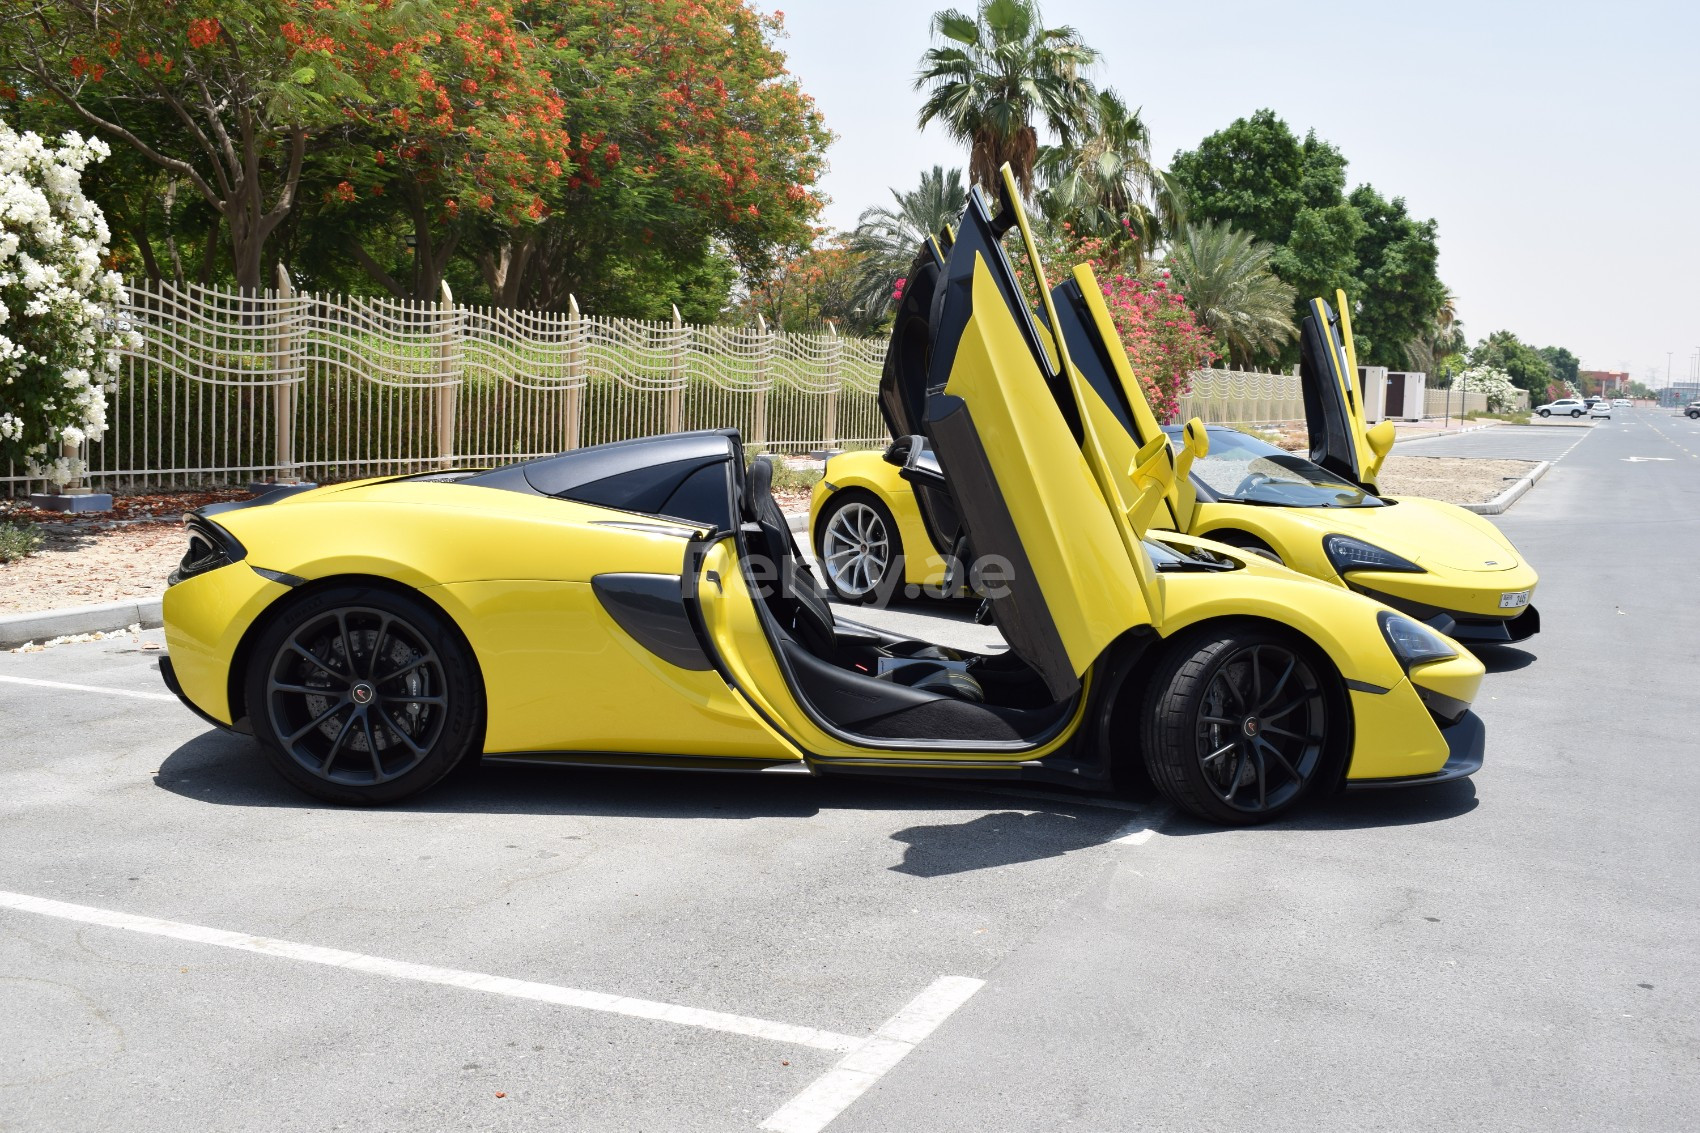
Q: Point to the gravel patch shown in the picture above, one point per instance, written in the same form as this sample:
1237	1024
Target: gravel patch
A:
1451	479
81	565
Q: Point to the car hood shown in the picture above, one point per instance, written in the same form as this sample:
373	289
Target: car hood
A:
1428	532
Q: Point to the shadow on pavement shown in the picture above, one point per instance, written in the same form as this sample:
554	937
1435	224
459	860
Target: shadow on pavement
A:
226	770
1503	658
1360	810
1000	839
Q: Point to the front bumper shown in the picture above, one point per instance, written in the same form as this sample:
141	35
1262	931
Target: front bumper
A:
1466	746
168	674
1468	598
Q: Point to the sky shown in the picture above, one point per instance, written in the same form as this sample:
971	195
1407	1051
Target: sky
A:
1556	144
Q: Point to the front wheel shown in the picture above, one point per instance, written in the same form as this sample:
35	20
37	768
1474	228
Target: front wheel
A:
1238	728
1546	412
859	548
1694	415
363	696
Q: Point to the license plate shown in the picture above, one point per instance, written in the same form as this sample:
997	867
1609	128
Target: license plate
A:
1514	599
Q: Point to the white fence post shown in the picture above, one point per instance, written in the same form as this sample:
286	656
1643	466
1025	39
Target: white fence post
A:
829	423
764	348
676	376
574	425
283	393
446	374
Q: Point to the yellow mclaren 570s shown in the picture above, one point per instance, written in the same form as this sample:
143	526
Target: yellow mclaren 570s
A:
878	534
643	604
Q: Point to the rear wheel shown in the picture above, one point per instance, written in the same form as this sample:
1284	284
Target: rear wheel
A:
363	696
1238	728
859	547
1576	413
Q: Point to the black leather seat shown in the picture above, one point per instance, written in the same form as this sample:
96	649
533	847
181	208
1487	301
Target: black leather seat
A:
798	603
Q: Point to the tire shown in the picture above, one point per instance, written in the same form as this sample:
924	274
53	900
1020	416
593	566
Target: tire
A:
1545	412
1694	415
1576	413
1247	760
337	723
859	548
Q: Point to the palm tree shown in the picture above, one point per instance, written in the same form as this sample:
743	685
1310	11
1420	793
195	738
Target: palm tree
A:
1226	277
1106	186
997	71
887	239
1431	351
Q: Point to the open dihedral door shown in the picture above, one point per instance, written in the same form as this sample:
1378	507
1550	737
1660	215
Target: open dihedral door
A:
1153	487
1058	550
1334	412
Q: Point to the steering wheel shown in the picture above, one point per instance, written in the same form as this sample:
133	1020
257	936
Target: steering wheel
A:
1253	481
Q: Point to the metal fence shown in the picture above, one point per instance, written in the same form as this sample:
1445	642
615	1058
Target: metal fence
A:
225	387
1239	397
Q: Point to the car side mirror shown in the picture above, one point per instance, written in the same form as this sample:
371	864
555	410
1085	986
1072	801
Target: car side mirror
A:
1380	440
1197	439
898	451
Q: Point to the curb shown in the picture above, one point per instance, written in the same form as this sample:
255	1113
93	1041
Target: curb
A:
1447	433
43	625
1511	495
798	520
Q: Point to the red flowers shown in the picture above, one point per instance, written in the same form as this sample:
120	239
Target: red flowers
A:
202	33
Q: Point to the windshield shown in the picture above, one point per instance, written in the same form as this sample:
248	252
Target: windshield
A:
1243	469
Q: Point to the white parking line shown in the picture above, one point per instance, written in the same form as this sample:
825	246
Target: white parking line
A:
473	981
88	688
828	1096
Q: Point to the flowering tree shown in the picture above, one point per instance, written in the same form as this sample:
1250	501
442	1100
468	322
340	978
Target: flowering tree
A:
1163	336
688	134
245	84
57	351
1496	383
464	127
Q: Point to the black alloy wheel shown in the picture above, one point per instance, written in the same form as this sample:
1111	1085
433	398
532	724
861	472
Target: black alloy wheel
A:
1238	729
363	696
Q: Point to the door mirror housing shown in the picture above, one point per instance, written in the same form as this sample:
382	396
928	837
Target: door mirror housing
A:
1197	439
1380	440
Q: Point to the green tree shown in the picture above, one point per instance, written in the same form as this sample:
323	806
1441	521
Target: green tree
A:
1227	278
886	239
1565	365
691	142
1397	289
1503	350
996	73
246	84
1258	176
1261	178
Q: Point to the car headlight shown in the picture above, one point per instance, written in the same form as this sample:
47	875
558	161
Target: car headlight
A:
210	547
1347	553
1412	642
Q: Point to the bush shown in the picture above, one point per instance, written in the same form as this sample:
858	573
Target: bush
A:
1496	383
17	540
58	333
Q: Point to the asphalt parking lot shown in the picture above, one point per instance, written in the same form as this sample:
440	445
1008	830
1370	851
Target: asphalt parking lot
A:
186	943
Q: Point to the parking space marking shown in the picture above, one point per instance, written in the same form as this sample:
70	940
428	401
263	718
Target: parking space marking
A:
828	1096
89	688
451	977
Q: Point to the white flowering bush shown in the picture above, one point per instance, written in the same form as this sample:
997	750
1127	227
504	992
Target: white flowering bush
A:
1496	383
58	306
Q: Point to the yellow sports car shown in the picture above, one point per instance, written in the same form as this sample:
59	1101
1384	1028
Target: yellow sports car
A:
642	603
874	532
